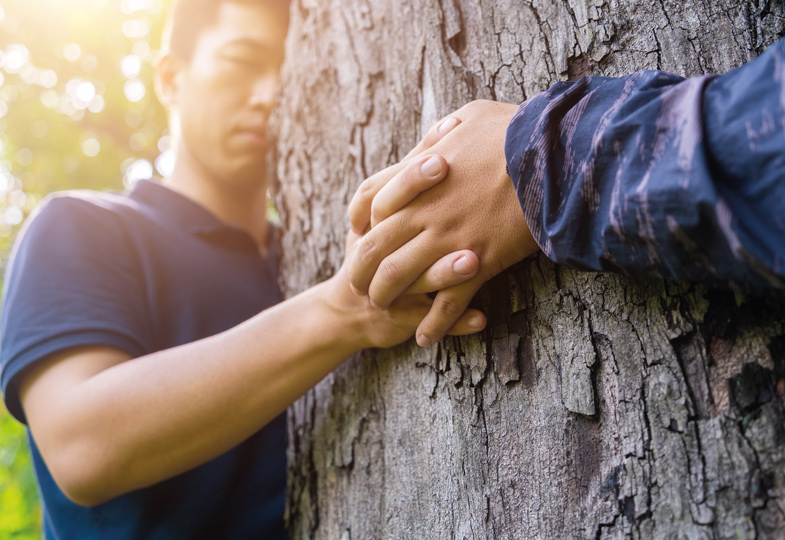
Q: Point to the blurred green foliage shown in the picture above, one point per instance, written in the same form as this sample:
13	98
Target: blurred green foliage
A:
77	110
20	518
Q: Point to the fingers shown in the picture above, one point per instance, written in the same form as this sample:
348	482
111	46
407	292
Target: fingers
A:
376	245
450	270
447	309
471	322
417	177
360	205
434	135
401	268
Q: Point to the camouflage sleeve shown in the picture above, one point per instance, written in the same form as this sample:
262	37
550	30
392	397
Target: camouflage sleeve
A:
657	175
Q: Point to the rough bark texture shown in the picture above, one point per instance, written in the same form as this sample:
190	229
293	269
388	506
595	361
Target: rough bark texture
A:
594	406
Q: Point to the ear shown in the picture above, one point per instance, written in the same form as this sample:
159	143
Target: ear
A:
168	78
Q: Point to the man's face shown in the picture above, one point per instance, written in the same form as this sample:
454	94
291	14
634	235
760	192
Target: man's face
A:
225	93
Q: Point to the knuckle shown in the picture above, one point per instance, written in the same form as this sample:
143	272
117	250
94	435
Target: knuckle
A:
476	106
390	270
366	250
365	188
450	307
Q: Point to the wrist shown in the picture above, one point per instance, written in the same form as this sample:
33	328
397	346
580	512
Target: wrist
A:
347	314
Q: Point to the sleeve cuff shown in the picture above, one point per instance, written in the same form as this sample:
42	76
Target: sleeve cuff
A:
41	350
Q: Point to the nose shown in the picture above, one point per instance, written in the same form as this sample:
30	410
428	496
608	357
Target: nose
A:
264	90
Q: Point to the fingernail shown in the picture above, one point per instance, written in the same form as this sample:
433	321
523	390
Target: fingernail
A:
461	266
447	125
423	341
475	321
432	167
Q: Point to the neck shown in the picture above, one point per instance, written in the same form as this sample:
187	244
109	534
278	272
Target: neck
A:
239	206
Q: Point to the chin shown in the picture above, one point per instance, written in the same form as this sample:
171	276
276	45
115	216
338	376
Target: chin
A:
246	182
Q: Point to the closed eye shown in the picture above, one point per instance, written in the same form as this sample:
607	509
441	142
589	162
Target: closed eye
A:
251	63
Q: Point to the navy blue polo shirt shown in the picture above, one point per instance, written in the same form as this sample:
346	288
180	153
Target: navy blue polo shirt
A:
143	272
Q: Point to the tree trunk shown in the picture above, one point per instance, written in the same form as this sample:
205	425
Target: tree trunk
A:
594	406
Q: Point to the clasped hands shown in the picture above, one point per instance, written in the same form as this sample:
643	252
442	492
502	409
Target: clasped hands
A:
420	216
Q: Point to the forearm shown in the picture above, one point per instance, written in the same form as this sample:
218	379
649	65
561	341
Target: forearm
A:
151	418
655	175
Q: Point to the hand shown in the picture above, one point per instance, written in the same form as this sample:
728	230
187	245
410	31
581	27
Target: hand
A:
474	208
385	327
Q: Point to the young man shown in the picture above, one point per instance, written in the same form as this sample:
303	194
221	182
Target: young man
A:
144	340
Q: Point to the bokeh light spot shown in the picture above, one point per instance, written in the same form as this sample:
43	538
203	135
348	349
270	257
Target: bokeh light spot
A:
134	90
66	107
29	74
135	28
91	147
131	6
164	163
164	143
89	63
24	157
131	65
141	169
47	78
9	93
97	105
3	108
138	142
86	92
13	216
49	99
72	52
72	87
17	198
16	56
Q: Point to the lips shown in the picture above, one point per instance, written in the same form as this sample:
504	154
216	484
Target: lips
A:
255	134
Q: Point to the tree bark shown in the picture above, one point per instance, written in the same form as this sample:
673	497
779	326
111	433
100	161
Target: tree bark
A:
594	406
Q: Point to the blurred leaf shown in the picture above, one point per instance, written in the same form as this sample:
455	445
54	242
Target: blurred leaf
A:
21	516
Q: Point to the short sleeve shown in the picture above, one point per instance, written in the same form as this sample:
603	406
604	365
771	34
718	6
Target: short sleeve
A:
73	280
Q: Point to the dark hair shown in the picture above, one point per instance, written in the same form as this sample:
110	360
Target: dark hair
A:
188	18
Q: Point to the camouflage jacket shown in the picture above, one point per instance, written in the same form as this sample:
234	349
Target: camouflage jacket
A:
656	175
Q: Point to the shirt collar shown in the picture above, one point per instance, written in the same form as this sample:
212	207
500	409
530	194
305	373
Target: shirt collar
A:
186	212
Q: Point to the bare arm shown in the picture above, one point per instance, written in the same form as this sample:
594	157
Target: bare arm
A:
107	424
